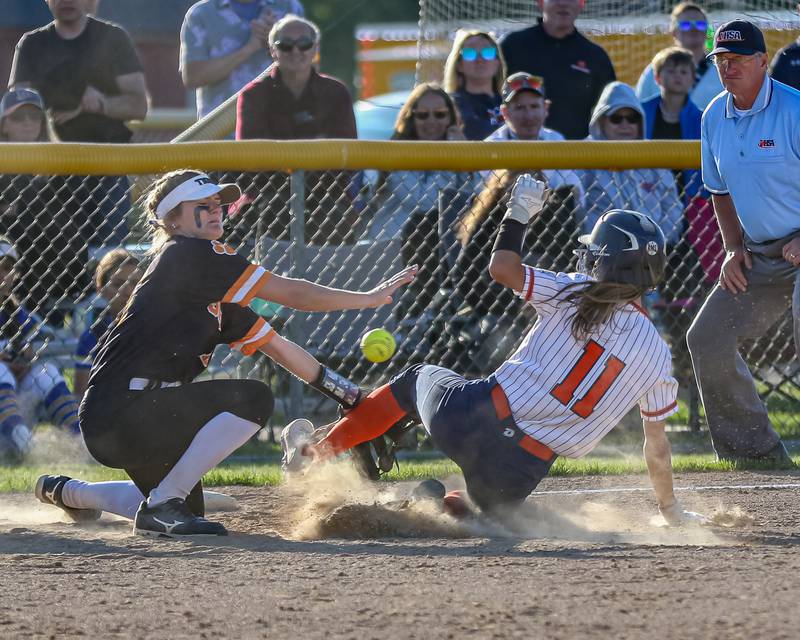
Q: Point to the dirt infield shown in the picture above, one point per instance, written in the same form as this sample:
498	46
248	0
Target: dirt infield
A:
580	565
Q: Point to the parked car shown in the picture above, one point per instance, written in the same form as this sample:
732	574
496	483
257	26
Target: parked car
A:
375	116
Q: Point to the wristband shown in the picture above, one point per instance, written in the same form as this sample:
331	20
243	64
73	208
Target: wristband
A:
346	392
510	236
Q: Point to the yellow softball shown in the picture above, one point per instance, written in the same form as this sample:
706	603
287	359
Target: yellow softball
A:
378	345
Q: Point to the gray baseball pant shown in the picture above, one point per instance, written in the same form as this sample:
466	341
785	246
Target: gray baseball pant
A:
737	418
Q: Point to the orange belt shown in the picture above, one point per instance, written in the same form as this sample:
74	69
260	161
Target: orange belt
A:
503	410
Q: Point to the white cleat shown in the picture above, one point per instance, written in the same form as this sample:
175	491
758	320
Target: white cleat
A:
296	435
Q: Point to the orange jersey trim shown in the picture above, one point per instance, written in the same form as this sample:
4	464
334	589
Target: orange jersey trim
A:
244	288
251	342
653	414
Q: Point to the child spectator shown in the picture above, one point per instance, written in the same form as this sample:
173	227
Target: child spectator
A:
115	278
672	115
51	241
473	75
28	390
689	26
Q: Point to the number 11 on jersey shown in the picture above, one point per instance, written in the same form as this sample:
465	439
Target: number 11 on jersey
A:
564	391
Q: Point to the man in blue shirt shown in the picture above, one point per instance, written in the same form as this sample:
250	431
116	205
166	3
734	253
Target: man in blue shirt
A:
750	139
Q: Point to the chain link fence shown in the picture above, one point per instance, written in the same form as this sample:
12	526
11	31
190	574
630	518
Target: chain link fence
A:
353	229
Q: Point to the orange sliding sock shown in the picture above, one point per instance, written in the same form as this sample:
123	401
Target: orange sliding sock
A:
373	417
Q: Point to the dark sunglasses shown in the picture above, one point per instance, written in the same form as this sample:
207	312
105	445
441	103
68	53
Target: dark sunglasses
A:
470	55
303	44
439	114
617	118
697	25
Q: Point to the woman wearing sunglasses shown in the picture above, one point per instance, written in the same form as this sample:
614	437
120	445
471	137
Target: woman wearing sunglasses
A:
473	76
407	201
689	26
618	115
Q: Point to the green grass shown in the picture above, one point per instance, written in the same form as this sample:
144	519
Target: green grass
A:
22	478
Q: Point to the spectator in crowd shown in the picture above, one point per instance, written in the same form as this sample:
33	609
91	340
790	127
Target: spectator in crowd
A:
618	115
473	76
91	80
689	26
524	110
785	65
35	216
87	71
671	115
574	69
407	202
296	102
222	46
548	242
29	391
114	279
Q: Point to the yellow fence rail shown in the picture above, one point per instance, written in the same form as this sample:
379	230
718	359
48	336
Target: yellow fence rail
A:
285	155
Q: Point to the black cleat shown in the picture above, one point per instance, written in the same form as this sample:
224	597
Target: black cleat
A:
49	489
173	519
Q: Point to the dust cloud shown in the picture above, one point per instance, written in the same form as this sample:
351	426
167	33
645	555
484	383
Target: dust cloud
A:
336	502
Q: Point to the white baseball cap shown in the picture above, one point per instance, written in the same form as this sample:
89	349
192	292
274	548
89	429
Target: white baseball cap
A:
197	187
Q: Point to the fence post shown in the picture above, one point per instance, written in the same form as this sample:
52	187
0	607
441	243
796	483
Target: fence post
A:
297	333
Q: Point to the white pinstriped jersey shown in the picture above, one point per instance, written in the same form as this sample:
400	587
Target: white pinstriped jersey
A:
568	394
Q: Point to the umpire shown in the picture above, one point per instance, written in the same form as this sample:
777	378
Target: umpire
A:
751	164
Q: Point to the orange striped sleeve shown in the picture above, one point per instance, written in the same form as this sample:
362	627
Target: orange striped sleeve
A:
260	334
247	285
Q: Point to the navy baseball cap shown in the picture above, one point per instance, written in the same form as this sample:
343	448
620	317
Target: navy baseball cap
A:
738	36
15	98
522	81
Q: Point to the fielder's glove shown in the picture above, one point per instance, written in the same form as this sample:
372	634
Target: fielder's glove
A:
527	199
676	516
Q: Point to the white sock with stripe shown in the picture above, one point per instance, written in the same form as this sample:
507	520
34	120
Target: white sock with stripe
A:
120	497
219	438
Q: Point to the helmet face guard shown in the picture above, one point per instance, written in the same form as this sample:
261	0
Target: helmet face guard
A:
626	247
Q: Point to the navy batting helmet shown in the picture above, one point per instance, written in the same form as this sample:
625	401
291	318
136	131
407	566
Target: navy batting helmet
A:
626	247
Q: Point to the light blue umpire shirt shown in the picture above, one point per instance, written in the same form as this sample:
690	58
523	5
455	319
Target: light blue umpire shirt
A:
755	157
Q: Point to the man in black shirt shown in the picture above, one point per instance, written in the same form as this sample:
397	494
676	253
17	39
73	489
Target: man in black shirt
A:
87	71
785	65
574	69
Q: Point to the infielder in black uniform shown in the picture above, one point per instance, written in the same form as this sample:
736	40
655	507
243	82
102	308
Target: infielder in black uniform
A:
142	412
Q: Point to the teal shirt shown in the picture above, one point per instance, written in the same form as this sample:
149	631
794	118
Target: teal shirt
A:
755	158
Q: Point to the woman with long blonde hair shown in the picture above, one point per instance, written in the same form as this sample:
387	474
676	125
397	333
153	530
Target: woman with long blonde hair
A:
473	75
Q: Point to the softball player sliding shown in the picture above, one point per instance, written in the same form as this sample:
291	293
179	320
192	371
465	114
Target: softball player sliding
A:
592	354
142	412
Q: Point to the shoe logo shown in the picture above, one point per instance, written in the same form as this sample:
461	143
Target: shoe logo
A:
168	526
508	433
50	495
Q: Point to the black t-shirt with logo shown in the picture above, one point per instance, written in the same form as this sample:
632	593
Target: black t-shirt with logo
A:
61	69
193	296
574	69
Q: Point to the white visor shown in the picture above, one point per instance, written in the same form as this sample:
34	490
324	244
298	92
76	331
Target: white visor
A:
7	250
197	188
